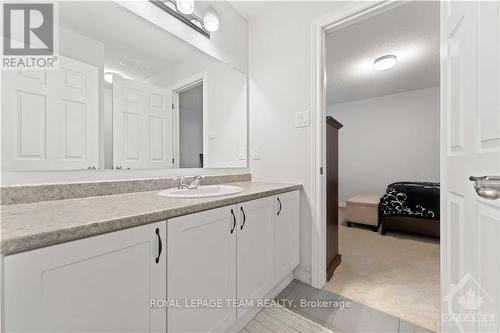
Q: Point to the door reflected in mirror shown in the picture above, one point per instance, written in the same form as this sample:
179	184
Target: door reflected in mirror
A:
126	95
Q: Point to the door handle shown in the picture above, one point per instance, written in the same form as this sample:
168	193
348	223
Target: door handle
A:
157	260
487	187
279	210
244	218
234	221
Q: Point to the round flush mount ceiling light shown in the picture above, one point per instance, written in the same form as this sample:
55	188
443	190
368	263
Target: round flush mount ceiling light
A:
185	6
384	63
211	20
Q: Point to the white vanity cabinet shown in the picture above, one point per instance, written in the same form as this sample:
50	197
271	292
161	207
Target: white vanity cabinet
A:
237	252
287	233
98	284
152	278
255	250
201	265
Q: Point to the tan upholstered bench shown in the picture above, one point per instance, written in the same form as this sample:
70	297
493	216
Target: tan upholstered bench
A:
363	209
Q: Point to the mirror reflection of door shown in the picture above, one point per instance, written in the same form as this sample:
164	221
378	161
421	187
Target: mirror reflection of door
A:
191	127
142	125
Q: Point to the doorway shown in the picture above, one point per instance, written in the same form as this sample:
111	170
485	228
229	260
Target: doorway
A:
190	119
469	146
383	113
191	127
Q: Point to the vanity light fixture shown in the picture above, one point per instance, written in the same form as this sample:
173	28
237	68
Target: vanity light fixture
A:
211	20
384	63
183	10
185	6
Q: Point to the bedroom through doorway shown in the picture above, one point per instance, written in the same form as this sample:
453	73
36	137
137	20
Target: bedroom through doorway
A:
383	190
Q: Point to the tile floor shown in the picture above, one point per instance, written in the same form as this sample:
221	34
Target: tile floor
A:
335	314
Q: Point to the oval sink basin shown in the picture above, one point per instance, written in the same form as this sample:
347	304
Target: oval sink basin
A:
201	192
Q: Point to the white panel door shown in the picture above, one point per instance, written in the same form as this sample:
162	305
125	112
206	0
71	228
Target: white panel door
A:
142	125
470	224
98	284
50	118
287	217
255	250
201	265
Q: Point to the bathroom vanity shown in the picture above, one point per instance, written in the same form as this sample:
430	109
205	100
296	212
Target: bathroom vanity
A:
136	262
87	242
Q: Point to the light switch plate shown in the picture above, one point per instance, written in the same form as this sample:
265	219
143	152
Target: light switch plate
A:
242	153
256	153
302	119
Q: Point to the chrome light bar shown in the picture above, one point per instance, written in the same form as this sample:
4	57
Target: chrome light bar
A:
192	20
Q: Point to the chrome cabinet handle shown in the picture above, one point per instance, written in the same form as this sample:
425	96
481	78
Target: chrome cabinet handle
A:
487	187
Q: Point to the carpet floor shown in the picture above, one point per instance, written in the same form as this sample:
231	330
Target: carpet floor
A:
281	320
397	274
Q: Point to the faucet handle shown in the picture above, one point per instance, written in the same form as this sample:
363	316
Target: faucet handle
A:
181	182
194	182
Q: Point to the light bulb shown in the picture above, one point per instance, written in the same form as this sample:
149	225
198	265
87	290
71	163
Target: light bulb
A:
211	20
185	6
384	63
108	77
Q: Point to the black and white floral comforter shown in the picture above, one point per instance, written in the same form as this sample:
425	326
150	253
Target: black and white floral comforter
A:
413	199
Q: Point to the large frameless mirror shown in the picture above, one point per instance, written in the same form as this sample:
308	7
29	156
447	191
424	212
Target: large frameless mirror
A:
126	95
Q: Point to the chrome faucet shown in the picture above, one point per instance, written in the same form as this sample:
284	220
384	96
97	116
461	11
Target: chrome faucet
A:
184	182
194	182
181	182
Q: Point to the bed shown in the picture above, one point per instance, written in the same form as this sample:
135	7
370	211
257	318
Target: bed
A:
410	207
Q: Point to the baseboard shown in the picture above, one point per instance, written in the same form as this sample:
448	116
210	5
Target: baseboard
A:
251	313
302	275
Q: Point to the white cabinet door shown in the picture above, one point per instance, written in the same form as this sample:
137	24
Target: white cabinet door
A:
98	284
50	119
255	250
202	266
142	125
287	233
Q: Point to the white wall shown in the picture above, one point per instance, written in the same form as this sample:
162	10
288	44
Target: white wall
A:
387	139
280	77
229	44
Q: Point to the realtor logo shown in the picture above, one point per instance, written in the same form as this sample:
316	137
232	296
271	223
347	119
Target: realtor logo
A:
30	36
28	29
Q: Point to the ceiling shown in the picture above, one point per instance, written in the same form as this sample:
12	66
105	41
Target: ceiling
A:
250	9
126	50
409	31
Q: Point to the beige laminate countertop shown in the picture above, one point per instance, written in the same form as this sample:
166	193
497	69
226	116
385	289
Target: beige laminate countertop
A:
32	225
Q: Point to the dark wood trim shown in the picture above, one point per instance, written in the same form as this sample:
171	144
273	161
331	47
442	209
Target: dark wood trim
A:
332	121
333	257
335	263
416	225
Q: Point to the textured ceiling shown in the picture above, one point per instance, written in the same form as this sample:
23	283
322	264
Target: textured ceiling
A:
409	31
